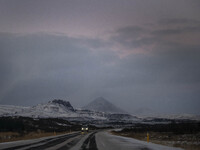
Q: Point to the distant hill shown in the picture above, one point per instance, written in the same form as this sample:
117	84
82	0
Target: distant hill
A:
103	105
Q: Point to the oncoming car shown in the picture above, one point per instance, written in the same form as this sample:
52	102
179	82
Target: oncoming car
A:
84	129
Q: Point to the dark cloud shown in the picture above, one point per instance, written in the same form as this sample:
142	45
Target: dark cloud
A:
133	36
176	31
173	26
165	60
40	67
169	21
131	31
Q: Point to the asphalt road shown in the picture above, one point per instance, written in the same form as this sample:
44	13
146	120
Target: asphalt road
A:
95	140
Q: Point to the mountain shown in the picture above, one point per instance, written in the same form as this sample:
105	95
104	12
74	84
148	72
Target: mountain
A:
54	108
65	104
98	112
103	105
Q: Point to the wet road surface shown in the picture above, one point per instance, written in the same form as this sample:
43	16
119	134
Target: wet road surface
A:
94	140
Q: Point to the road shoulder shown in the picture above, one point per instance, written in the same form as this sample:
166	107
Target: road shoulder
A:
107	141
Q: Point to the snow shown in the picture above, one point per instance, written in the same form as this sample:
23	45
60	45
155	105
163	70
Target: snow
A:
171	117
51	110
10	110
48	110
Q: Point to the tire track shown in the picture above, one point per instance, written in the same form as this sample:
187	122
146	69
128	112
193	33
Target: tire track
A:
70	144
53	143
90	143
42	141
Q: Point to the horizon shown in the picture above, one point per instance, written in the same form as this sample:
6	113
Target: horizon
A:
138	112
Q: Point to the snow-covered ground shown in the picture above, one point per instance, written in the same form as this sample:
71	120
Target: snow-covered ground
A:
171	116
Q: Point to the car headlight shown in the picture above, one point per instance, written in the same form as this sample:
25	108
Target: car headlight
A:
82	128
86	128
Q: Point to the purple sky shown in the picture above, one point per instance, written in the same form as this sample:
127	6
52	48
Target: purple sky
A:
136	53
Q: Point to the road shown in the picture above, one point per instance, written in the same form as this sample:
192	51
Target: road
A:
95	140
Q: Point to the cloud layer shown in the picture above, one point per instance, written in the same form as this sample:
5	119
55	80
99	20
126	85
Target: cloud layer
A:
39	67
137	54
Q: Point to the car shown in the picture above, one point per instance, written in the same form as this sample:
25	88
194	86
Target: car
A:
84	129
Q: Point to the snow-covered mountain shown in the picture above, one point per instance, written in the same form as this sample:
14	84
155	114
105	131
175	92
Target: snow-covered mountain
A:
103	105
63	109
54	108
98	110
10	110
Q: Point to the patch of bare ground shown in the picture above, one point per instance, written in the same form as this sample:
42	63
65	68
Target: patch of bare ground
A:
185	141
15	136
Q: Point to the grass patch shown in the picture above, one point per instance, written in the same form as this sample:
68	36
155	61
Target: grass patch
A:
23	128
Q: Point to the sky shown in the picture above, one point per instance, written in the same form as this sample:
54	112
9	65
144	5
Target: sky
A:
138	54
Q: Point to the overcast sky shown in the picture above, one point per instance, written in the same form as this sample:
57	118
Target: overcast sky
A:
135	53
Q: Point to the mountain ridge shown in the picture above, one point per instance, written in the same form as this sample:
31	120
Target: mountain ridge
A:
63	109
54	108
103	105
66	104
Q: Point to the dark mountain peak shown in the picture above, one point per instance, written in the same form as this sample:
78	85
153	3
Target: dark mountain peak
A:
103	105
101	99
63	102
